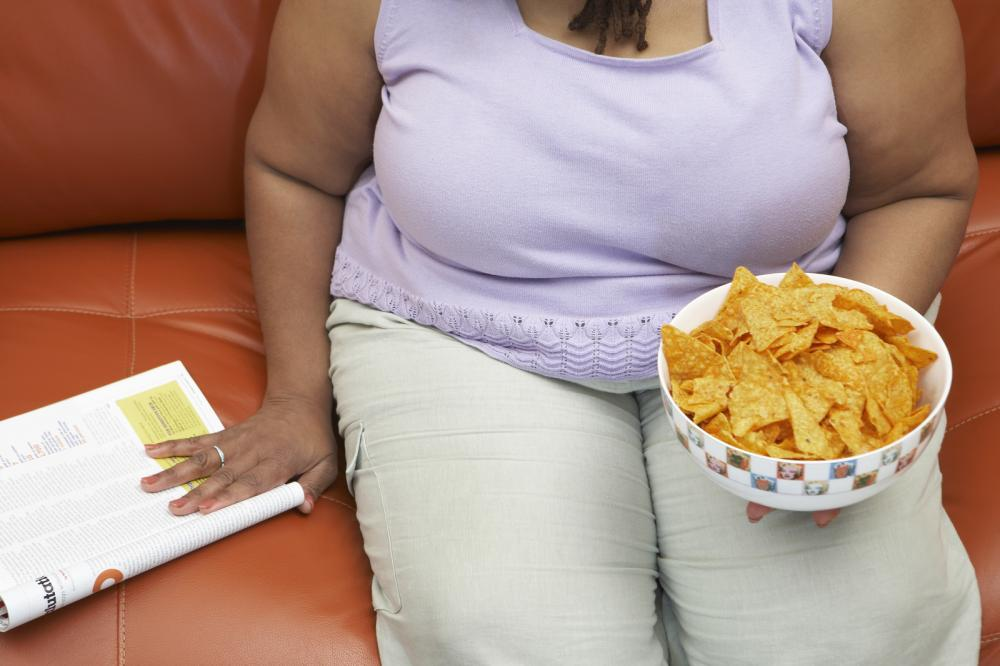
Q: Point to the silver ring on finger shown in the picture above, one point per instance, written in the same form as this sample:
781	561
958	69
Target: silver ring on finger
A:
222	457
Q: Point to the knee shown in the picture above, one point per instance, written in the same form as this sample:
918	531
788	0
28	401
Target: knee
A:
460	620
488	618
901	598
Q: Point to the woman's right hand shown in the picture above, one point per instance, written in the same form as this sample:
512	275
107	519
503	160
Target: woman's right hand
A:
309	139
286	438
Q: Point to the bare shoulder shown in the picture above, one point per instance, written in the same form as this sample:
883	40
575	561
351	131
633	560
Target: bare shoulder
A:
317	113
899	79
314	27
929	23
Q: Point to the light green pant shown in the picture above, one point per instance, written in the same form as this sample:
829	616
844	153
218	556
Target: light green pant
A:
512	518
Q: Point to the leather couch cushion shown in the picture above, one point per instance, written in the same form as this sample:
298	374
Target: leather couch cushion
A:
79	310
122	110
980	21
969	322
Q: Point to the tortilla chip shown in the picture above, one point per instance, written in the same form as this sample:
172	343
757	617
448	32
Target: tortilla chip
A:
809	436
703	397
882	321
918	356
753	405
797	342
799	371
689	359
718	426
905	425
795	277
764	330
748	364
848	427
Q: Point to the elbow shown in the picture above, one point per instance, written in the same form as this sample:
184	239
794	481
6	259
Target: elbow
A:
966	174
963	181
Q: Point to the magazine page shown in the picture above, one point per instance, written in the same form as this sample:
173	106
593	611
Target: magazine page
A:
73	518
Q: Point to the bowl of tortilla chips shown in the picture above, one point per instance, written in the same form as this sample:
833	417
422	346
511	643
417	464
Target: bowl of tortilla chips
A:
803	391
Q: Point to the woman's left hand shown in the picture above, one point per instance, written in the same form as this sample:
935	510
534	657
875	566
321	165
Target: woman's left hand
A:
757	511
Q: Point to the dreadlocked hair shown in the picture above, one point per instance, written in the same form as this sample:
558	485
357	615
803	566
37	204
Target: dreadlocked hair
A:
624	19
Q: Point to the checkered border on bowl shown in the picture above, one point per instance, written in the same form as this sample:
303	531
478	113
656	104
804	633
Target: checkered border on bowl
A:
794	477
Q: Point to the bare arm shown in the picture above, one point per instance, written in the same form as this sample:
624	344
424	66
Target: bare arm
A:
309	139
900	86
899	78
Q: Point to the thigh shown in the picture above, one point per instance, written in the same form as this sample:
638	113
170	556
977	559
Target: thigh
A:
888	582
506	515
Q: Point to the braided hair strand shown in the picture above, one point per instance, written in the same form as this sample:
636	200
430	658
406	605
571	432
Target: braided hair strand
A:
623	18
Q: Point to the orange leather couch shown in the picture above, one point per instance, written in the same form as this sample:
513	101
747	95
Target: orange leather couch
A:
121	128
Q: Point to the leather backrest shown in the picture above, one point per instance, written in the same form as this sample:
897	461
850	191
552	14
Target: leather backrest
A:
122	110
980	21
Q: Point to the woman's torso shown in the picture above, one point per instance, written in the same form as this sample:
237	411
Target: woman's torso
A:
554	207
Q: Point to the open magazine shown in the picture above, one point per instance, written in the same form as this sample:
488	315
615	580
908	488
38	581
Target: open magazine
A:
73	519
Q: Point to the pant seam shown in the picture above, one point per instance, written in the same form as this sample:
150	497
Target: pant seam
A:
363	444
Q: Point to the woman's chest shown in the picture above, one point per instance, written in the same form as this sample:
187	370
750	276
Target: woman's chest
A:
515	168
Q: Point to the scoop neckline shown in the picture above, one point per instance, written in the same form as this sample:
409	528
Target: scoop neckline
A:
522	28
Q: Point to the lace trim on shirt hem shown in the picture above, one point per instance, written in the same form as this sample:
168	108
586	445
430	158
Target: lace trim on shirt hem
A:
595	348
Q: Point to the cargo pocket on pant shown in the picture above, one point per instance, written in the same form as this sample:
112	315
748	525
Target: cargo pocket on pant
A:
364	484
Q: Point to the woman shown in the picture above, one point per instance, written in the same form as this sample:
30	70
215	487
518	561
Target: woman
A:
527	190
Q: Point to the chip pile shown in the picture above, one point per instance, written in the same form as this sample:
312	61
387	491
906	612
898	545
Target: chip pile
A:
802	371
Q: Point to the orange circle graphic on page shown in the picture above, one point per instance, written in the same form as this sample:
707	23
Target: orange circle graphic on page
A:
107	578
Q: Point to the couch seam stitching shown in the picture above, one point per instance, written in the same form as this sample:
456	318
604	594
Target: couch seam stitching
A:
337	501
117	315
207	308
130	308
42	308
121	623
982	232
131	303
973	418
991	638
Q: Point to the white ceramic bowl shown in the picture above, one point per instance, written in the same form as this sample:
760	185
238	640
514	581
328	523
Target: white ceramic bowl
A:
812	485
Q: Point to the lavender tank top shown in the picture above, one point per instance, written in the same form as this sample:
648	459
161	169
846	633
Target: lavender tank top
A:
553	207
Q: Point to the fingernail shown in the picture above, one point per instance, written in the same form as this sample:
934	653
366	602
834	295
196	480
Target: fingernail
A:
178	503
753	520
148	479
